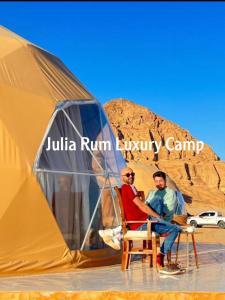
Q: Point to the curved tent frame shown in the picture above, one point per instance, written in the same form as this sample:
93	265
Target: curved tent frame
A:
103	170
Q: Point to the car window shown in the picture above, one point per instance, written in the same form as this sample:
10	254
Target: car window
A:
204	215
211	214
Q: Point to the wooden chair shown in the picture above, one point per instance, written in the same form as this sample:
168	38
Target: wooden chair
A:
147	238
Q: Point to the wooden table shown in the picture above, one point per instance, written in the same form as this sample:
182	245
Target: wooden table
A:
187	234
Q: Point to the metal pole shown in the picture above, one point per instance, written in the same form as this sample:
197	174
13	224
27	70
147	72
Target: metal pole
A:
68	172
43	140
113	200
92	218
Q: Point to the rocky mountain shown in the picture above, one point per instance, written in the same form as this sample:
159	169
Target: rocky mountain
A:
200	175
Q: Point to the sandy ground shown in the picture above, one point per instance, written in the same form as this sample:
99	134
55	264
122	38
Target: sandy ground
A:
209	234
212	235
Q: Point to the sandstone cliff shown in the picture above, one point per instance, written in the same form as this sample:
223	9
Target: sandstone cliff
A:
201	177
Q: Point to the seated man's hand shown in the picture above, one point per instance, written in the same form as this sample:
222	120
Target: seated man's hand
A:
158	217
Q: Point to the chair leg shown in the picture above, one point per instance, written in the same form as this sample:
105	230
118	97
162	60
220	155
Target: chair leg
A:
124	256
128	261
177	250
169	260
195	250
144	256
130	245
149	243
158	241
154	252
151	260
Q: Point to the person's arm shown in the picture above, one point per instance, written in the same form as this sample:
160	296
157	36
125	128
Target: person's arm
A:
145	208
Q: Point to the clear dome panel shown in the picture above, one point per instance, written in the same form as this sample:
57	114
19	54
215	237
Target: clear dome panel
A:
114	159
78	184
81	205
64	147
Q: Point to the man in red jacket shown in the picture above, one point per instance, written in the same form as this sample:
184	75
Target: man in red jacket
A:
136	209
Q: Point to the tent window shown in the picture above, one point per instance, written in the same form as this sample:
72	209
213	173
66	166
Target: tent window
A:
79	184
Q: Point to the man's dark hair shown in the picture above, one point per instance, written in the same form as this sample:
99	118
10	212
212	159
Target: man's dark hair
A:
159	174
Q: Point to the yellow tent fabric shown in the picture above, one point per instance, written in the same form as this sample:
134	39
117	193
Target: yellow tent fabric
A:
32	82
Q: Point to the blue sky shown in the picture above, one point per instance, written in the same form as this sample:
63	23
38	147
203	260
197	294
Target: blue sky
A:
169	57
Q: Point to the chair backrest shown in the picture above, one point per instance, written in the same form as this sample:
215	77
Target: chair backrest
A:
122	213
118	193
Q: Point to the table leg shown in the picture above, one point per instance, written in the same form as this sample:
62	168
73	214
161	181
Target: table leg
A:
195	250
187	253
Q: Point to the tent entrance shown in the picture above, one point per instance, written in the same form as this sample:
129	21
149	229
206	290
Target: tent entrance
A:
78	183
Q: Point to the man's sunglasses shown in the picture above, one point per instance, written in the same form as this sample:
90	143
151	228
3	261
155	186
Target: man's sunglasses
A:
129	174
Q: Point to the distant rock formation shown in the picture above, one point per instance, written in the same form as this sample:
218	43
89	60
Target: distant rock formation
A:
201	177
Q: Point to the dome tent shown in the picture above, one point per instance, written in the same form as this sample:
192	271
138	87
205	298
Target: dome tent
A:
52	202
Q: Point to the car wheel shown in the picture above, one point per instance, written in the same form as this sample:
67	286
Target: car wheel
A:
193	223
221	224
